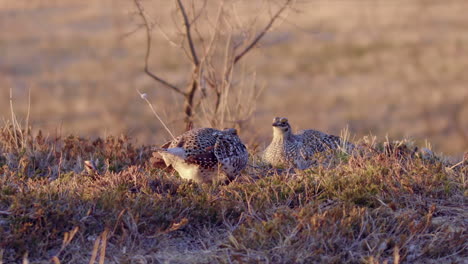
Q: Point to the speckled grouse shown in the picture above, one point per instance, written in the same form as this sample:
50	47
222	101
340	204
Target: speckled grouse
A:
297	150
206	155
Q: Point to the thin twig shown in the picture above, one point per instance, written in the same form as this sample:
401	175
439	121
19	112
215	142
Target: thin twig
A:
458	164
166	36
152	75
216	30
141	12
187	25
131	32
27	116
196	17
102	253
95	250
262	33
13	118
143	96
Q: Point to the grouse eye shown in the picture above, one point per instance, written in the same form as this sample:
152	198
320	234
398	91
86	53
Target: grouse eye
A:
284	120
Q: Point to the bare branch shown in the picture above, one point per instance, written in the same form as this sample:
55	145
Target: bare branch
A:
262	33
125	35
147	25
166	36
199	13
200	36
197	31
189	34
168	85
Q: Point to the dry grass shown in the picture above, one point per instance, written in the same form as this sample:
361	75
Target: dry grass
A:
389	202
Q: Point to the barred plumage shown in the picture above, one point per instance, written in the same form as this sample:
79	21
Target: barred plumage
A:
297	150
206	154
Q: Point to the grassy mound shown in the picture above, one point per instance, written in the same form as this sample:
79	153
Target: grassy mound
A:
387	203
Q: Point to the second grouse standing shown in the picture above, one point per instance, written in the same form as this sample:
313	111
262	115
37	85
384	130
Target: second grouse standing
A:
206	155
297	150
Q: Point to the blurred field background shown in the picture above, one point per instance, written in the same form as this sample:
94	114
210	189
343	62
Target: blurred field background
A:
396	68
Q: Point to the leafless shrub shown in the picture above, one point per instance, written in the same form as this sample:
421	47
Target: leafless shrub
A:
215	43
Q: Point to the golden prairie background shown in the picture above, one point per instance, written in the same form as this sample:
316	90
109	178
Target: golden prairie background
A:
393	68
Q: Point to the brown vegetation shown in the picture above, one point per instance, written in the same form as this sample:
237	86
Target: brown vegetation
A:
387	203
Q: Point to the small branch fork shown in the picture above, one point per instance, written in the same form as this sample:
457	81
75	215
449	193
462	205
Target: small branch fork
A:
262	33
